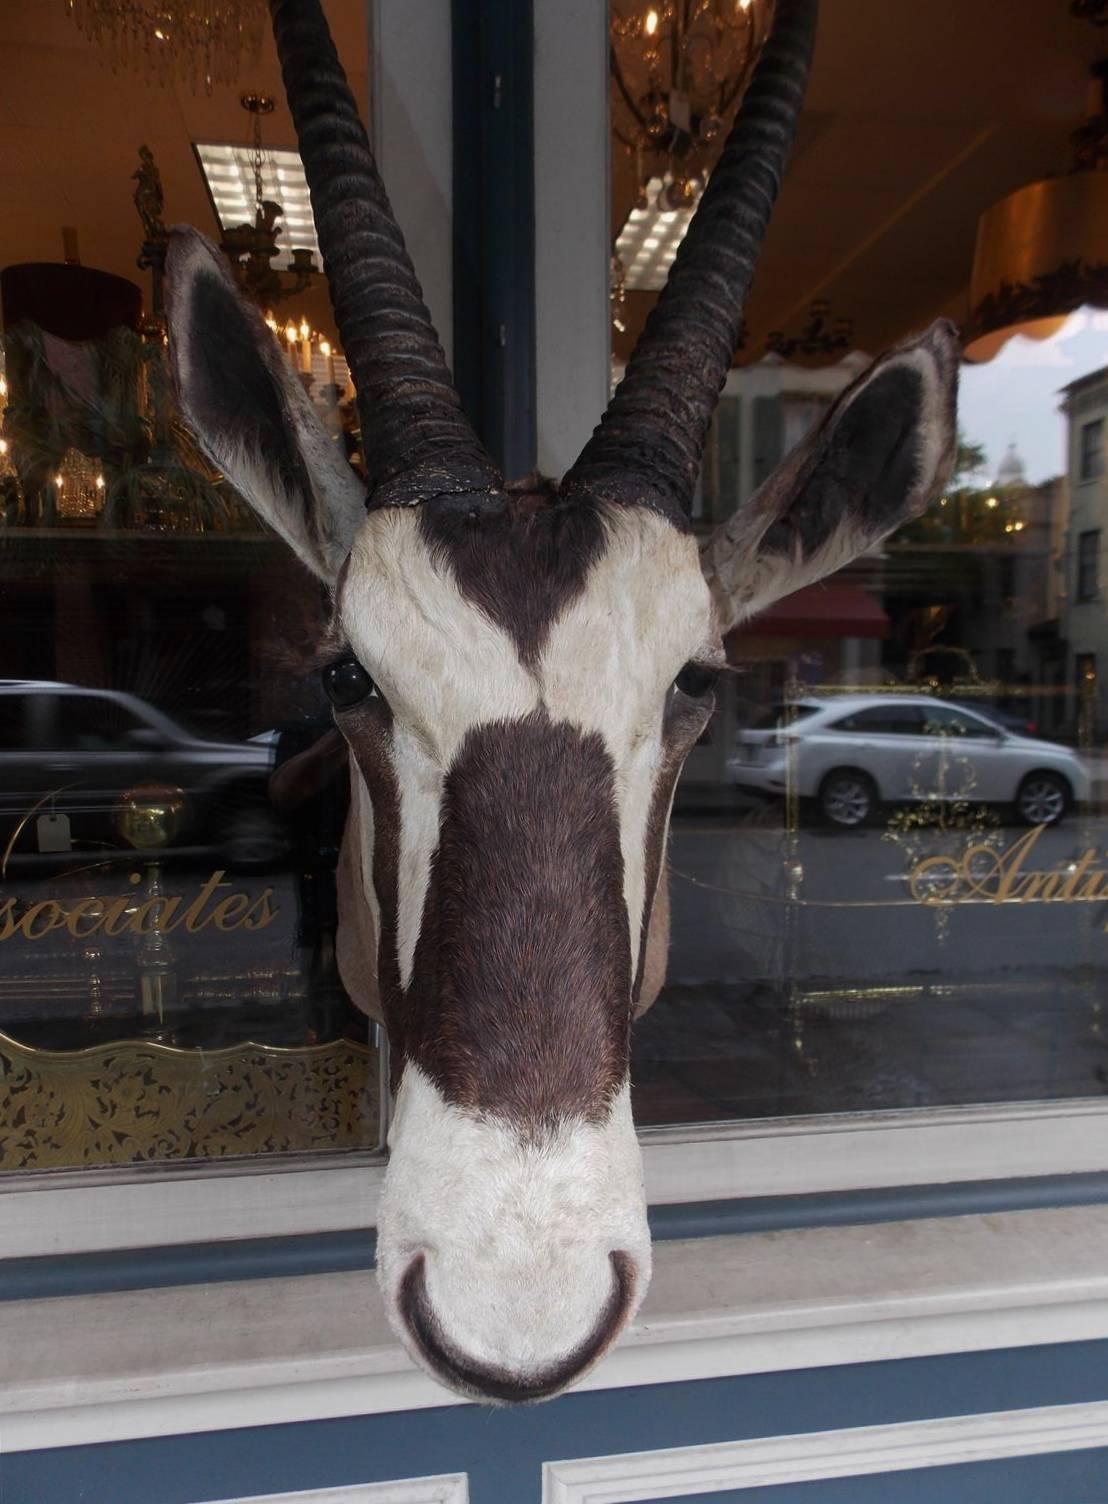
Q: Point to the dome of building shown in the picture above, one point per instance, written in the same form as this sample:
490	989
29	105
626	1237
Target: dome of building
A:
1012	471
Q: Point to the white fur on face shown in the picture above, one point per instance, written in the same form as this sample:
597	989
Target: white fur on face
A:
516	1234
611	658
361	810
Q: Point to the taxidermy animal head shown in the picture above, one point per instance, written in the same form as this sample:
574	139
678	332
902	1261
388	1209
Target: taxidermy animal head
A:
521	678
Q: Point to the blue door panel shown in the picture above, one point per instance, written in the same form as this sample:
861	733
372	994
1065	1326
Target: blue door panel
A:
1056	1478
502	1451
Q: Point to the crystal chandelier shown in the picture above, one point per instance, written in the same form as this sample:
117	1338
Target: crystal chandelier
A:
679	68
197	41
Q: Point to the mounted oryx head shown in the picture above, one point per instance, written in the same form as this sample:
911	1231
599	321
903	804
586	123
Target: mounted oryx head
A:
522	678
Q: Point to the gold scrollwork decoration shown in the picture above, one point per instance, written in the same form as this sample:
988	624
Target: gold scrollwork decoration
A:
139	1102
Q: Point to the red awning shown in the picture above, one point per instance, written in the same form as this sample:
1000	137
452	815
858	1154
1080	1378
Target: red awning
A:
835	610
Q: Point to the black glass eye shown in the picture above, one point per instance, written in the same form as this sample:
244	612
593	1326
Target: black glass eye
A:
696	680
347	683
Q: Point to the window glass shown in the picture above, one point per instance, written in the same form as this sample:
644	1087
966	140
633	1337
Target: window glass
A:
14	720
884	720
783	714
888	905
943	720
92	723
171	796
1088	565
914	922
1092	449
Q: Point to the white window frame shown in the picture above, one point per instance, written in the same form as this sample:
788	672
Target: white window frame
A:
90	1211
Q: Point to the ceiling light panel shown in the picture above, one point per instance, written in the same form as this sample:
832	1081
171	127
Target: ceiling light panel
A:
229	173
648	241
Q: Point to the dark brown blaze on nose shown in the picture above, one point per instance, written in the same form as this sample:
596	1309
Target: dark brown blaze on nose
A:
495	1383
519	1001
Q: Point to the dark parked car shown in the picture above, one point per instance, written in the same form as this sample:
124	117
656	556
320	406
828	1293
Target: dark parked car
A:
73	752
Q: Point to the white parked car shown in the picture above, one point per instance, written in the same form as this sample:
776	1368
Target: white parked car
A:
853	753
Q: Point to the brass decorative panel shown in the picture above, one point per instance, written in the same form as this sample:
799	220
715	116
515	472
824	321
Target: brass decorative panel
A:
134	1102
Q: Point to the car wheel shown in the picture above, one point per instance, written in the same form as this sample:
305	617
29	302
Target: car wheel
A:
848	798
1043	799
255	837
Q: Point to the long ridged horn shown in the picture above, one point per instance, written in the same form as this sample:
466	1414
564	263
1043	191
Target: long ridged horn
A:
648	446
418	441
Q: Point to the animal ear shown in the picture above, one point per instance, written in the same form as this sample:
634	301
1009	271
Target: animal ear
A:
250	413
875	461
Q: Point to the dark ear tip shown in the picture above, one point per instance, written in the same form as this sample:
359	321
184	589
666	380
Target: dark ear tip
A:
943	342
189	248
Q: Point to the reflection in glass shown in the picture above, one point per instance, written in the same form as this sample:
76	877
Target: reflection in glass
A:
889	864
168	985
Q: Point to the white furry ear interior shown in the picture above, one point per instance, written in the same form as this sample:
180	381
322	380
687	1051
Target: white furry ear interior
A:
878	457
250	413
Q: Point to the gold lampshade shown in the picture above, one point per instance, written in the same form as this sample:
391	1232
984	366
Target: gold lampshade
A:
150	815
1042	252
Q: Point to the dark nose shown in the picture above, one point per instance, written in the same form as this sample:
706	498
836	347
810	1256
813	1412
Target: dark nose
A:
490	1382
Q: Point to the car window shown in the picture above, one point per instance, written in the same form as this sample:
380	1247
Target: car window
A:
92	723
885	720
783	715
944	720
14	724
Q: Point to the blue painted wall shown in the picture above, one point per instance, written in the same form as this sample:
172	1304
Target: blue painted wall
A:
502	1451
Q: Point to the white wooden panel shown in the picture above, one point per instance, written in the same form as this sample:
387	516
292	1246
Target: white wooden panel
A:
449	1488
852	1453
91	1211
572	230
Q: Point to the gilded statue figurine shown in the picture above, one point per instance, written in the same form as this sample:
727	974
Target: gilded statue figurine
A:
149	198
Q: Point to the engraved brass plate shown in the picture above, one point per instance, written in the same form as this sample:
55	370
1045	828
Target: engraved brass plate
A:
134	1102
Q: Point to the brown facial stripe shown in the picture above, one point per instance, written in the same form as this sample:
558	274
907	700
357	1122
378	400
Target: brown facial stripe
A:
498	1383
684	721
521	558
519	1001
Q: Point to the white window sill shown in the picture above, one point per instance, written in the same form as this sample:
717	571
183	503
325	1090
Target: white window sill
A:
98	1368
162	1206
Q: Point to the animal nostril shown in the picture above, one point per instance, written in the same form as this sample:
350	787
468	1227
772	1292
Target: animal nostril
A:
492	1381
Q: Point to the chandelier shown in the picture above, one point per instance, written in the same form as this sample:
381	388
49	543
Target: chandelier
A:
252	248
679	68
197	41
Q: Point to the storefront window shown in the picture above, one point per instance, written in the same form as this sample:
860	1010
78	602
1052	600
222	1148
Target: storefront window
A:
889	868
172	791
889	863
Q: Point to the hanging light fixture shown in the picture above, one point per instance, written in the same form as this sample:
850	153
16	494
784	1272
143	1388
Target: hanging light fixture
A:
197	41
247	178
679	69
1042	252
